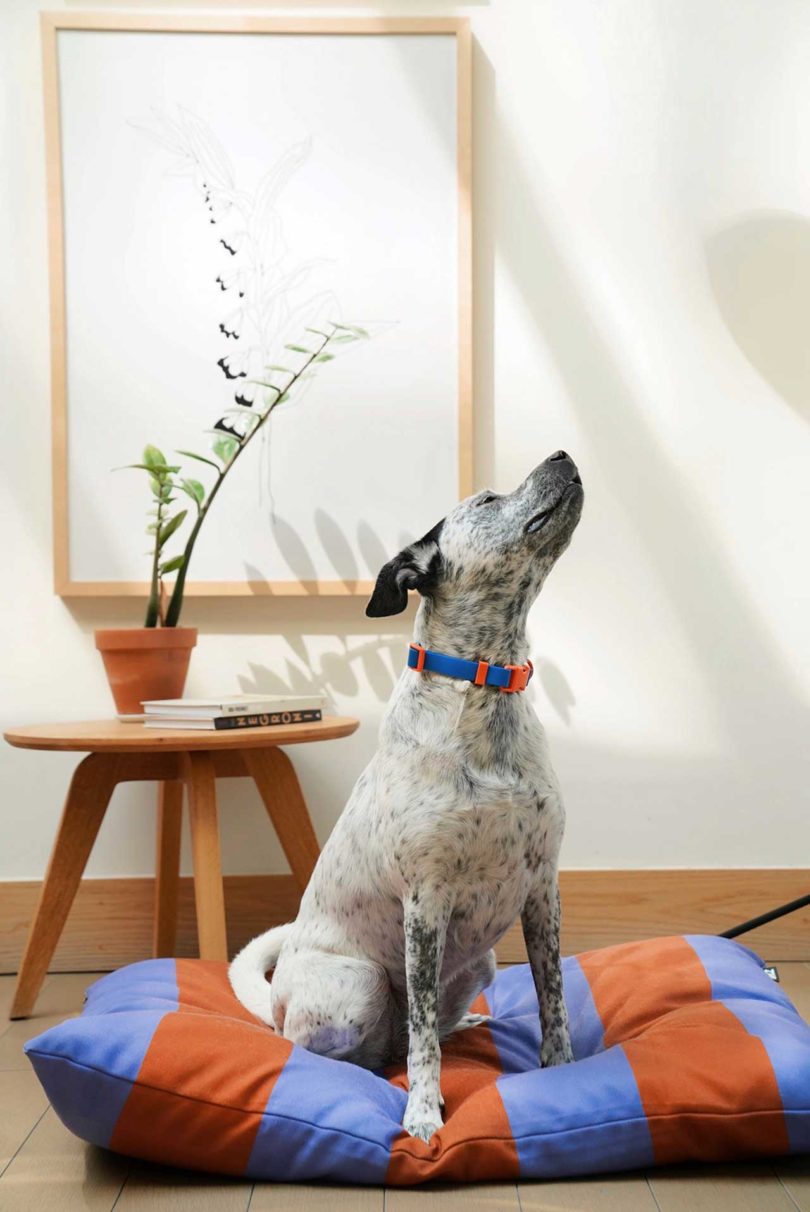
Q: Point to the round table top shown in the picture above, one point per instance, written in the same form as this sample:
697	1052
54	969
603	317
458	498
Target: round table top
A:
113	736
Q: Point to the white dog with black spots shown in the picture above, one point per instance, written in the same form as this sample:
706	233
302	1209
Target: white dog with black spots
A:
452	830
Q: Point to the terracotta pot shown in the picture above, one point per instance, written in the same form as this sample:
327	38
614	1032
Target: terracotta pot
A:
145	663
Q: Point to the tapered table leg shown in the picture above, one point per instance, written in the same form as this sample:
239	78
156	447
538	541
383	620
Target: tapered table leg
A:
274	775
87	799
167	867
208	892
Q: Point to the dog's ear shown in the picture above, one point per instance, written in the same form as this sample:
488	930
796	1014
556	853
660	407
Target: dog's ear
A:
416	567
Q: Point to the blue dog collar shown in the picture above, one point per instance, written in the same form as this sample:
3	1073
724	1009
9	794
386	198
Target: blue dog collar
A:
508	678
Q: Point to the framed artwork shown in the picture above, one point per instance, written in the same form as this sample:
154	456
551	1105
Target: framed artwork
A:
217	188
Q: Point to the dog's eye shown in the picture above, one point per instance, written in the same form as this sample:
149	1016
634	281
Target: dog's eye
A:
538	521
486	500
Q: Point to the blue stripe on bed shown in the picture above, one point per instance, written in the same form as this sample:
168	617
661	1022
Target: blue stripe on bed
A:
89	1100
554	1119
515	1025
327	1119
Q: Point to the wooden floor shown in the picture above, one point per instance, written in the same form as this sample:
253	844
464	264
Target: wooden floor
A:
44	1168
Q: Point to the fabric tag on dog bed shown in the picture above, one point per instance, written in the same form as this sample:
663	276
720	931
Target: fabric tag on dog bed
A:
685	1050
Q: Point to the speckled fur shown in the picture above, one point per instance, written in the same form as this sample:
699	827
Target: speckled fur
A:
451	831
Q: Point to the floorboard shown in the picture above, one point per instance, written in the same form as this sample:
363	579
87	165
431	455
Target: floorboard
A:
56	1172
300	1197
481	1197
738	1188
22	1104
604	1194
160	1189
794	1175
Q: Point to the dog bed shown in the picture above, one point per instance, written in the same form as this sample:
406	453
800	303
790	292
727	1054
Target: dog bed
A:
685	1050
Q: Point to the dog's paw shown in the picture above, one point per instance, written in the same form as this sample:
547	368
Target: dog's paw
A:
422	1122
423	1129
471	1020
555	1052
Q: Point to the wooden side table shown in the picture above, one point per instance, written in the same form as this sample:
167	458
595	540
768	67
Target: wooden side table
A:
120	753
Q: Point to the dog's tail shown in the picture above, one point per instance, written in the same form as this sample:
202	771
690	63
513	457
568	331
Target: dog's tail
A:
247	970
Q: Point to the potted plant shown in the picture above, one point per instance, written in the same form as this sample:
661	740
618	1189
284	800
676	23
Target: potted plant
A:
151	662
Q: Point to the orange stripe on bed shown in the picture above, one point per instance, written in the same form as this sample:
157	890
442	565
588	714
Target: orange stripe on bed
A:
230	1091
204	985
686	1055
470	1068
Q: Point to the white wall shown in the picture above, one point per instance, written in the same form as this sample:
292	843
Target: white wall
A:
643	299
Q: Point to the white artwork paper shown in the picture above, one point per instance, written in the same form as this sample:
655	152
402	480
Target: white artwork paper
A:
221	192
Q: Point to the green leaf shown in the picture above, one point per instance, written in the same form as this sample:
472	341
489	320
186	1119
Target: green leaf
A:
264	383
225	448
168	528
172	565
193	489
284	370
324	357
354	328
152	528
156	486
317	331
301	348
342	338
153	457
200	458
156	469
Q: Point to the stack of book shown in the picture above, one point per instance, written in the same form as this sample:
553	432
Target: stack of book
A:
232	711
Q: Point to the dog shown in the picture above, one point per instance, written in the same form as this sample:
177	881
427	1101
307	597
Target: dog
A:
454	827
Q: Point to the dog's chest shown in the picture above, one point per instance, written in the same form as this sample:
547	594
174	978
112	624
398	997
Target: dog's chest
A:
495	858
480	847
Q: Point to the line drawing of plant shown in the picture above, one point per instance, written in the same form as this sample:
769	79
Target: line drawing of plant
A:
268	296
268	305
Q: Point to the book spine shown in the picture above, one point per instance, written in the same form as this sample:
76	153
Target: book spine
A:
246	708
267	719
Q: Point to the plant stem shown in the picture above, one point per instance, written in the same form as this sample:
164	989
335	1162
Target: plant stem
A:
176	601
153	606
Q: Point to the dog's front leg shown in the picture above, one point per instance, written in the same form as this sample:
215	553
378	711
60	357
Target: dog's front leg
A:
540	918
425	928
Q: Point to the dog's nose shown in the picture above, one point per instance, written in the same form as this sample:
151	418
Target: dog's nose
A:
558	456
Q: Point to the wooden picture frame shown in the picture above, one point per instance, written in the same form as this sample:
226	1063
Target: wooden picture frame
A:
66	582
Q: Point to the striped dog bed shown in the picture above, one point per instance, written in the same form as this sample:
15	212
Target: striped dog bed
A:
685	1050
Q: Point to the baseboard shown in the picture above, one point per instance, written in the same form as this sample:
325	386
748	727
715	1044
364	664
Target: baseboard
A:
111	920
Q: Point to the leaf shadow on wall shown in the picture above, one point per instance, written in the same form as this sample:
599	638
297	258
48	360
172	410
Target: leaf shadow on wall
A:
336	546
759	270
332	673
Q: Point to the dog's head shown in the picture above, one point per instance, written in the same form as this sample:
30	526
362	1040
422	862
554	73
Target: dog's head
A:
504	544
